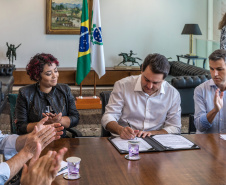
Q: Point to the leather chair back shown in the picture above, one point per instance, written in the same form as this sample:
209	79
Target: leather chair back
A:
12	103
186	86
105	95
192	128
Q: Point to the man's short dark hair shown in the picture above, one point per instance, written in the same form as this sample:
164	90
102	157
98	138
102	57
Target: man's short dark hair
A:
157	63
218	54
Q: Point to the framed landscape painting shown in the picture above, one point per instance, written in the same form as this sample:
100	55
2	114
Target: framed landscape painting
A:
64	16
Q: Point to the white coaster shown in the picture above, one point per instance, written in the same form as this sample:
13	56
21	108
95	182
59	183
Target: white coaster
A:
72	178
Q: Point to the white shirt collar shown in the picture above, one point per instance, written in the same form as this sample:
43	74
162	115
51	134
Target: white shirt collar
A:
138	84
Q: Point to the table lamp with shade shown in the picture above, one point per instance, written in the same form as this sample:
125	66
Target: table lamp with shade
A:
191	29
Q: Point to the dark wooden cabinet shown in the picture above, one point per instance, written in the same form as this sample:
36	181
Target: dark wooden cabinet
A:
68	75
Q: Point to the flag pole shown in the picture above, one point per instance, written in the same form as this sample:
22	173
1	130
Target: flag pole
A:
80	96
95	82
84	59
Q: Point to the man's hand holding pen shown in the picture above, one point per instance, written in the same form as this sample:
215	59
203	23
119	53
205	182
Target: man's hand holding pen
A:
128	132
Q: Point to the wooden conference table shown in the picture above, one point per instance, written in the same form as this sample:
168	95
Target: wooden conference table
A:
102	164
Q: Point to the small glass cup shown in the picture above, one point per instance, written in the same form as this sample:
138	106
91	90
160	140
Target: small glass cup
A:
73	164
133	148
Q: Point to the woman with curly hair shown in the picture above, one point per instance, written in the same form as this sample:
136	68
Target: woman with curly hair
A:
222	27
45	98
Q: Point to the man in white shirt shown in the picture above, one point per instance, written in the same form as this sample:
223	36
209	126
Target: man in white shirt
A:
144	105
19	149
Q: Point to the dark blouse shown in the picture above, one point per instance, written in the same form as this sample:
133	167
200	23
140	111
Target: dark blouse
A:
31	103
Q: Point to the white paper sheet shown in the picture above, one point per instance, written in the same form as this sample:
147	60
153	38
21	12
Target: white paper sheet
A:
173	141
223	136
122	144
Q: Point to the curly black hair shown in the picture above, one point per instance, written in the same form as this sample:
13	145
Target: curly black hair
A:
35	67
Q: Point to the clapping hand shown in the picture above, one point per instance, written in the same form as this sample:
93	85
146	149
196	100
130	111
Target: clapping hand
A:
42	171
218	100
40	137
58	127
53	118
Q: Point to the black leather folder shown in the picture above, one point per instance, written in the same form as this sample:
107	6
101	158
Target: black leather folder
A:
156	146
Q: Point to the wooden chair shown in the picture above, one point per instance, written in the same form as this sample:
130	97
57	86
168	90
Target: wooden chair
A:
105	95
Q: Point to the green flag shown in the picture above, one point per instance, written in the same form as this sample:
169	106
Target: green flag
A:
84	61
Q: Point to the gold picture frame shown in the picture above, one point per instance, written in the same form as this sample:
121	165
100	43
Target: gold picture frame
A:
63	18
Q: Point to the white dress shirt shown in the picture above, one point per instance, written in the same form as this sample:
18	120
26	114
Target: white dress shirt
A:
7	147
128	102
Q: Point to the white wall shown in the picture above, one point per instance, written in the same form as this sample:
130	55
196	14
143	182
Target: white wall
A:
145	26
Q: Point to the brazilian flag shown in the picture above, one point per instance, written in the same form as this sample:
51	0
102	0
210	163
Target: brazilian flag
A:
84	61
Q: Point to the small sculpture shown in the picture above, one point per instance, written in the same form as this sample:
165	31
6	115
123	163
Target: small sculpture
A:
11	52
128	58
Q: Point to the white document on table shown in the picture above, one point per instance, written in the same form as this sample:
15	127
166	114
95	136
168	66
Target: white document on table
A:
223	136
173	141
122	144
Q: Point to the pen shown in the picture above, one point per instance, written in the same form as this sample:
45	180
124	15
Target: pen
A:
129	124
130	127
62	169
